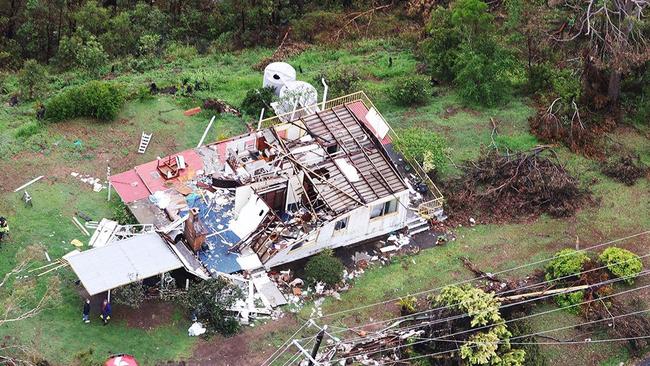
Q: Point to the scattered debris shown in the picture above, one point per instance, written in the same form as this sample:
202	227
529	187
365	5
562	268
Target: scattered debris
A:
196	329
96	183
626	169
29	183
220	106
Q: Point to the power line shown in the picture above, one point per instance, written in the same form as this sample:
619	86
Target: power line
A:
485	276
501	323
411	316
268	361
469	281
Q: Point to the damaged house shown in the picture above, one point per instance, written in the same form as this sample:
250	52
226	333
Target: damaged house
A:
311	179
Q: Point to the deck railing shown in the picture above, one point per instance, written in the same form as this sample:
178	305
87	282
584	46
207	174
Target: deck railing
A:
427	208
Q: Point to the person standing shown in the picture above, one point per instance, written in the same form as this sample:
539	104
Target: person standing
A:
4	228
86	312
106	311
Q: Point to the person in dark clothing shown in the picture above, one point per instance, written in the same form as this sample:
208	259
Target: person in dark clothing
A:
86	313
106	312
4	228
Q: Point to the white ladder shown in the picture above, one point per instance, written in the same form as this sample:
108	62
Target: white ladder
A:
144	142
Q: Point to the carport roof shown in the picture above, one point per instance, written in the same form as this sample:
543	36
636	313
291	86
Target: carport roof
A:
123	262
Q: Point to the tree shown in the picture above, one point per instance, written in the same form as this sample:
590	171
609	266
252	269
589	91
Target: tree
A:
209	301
615	35
324	267
490	345
32	79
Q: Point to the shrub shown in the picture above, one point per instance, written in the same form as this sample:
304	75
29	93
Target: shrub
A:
480	306
621	263
567	262
427	147
482	74
341	80
571	299
209	301
96	99
121	213
28	129
131	295
324	267
177	51
407	305
256	99
409	90
32	79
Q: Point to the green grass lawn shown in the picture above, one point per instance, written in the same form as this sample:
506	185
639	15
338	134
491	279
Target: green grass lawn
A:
58	334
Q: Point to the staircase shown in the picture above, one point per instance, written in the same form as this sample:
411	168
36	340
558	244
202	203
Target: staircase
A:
144	142
417	224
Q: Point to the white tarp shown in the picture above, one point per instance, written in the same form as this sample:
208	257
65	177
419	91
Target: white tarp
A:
377	122
123	262
348	170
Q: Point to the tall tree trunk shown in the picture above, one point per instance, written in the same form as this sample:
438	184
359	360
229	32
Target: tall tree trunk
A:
614	87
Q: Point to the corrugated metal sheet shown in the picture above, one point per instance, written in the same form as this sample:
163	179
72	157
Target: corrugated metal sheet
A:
123	262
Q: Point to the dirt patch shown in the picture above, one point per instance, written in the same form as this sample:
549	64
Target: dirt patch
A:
149	315
246	348
514	188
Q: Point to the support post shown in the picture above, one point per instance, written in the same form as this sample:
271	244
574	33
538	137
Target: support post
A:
108	297
108	178
314	351
205	133
259	123
295	106
325	89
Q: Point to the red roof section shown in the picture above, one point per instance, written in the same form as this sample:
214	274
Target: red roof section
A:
358	108
144	180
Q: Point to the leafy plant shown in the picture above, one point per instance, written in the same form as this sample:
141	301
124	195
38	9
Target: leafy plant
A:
621	263
121	213
97	99
567	262
324	267
482	307
407	305
131	295
209	301
409	90
32	79
256	99
427	147
341	80
570	301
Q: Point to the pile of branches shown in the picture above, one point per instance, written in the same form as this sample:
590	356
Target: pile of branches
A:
626	169
517	187
565	125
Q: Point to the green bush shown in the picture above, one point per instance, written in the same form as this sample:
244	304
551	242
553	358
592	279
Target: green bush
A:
97	99
324	267
439	49
28	129
571	299
121	213
209	301
256	99
177	51
427	147
621	263
482	74
409	91
341	80
32	79
567	262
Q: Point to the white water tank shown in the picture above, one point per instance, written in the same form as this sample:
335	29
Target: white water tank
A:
276	74
302	91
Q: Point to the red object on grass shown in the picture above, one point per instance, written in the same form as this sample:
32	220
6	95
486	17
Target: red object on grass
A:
121	360
193	111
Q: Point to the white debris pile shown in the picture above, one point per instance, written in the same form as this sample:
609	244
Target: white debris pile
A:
96	183
196	329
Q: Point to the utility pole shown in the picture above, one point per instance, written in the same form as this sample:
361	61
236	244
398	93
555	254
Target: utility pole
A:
314	351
